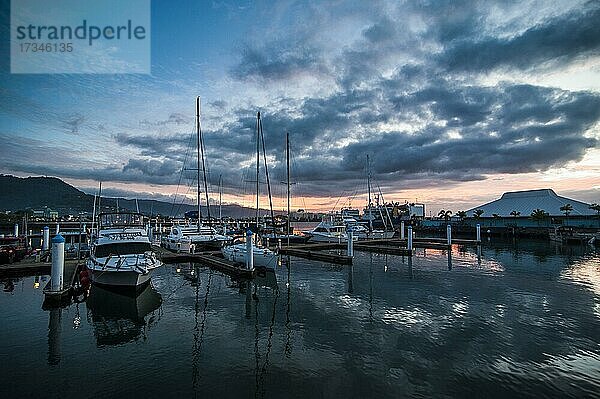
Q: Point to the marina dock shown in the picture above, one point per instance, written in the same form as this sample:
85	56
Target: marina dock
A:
210	259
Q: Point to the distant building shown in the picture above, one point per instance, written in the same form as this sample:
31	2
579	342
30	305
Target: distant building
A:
527	201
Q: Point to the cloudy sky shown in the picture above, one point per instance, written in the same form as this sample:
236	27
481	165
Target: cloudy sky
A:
454	102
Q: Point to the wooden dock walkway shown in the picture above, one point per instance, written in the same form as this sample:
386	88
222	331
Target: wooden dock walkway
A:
211	259
316	254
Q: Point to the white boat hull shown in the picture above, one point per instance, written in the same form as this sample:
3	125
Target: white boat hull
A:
262	257
122	278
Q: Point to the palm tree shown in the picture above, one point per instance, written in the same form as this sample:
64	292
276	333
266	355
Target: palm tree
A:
539	215
515	213
461	215
445	214
566	209
477	213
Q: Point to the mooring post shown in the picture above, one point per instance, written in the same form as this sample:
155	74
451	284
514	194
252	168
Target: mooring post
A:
409	245
268	242
279	244
350	242
478	228
449	234
249	251
58	263
402	230
46	238
16	229
57	229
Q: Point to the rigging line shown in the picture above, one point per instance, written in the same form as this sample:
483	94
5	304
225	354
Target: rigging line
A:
181	173
269	344
183	198
267	174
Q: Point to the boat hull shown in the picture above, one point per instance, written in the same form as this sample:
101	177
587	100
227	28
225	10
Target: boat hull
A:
122	279
262	258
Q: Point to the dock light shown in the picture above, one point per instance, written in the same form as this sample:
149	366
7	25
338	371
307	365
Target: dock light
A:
36	285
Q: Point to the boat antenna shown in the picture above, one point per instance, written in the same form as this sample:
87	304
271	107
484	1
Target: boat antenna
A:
137	206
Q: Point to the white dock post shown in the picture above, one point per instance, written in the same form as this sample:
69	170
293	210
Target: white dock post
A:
268	242
449	234
279	244
409	244
16	229
350	243
46	238
249	251
58	263
402	230
478	228
57	229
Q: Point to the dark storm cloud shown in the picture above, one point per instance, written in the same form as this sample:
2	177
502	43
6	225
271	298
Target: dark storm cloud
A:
153	167
560	39
505	129
277	60
151	145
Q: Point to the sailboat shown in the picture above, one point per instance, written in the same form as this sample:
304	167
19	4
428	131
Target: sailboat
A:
288	237
237	252
191	237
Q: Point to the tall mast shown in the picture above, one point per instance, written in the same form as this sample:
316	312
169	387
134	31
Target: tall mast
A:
262	136
369	190
201	145
198	160
220	198
287	151
257	164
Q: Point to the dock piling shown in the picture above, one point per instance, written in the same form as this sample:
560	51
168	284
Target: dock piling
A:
46	238
478	228
249	251
449	234
402	230
409	244
16	229
58	263
350	242
57	229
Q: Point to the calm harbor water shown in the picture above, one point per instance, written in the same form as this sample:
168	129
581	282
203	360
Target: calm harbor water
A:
521	320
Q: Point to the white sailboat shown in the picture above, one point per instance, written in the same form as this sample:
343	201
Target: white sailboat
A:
192	237
238	252
121	254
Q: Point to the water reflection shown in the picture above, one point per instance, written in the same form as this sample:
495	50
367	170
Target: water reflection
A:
119	318
54	333
199	325
388	326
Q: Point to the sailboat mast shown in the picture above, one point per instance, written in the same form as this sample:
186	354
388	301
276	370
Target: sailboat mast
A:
201	143
257	164
287	151
220	198
262	137
369	190
198	160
